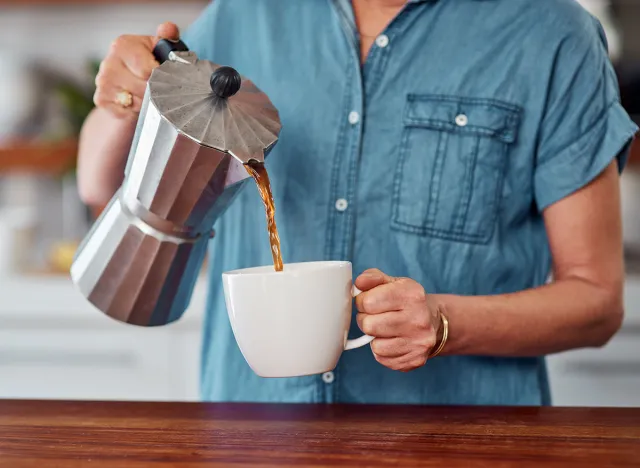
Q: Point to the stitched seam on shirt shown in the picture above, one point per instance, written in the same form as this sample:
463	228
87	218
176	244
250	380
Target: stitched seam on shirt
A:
497	196
428	230
373	68
397	183
394	31
502	134
487	102
335	172
436	180
345	20
443	234
352	181
507	132
469	172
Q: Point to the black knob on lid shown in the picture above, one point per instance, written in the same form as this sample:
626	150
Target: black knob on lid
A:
225	82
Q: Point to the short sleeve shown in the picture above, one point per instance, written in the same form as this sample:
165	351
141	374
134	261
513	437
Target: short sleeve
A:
584	126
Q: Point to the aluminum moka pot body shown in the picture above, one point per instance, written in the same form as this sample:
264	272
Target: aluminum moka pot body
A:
198	124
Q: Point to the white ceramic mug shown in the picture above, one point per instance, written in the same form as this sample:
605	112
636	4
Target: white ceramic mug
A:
294	322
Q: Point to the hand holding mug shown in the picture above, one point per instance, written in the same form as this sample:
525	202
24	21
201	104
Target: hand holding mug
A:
123	74
399	314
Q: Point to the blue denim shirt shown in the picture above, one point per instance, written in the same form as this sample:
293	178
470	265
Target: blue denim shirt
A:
433	160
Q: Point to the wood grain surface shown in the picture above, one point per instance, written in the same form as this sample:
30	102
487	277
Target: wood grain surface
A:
40	434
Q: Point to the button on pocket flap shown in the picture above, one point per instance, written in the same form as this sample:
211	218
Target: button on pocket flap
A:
484	117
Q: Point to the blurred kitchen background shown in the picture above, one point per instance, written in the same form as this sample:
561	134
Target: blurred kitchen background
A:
52	343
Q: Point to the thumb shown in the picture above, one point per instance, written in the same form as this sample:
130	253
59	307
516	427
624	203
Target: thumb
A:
168	30
372	278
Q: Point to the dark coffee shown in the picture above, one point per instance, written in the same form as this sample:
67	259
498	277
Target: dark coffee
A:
259	174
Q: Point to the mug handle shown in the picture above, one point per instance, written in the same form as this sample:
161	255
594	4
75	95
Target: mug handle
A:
364	339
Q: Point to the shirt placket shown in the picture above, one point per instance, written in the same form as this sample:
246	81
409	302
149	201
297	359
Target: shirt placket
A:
344	164
361	83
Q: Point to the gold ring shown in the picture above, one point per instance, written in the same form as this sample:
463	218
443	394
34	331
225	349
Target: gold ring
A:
125	99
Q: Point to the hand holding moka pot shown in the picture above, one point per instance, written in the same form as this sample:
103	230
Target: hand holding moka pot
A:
199	123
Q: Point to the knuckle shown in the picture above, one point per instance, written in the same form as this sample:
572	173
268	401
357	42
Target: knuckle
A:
419	362
428	343
377	347
415	292
107	73
99	98
368	302
393	364
395	295
399	367
137	63
119	43
368	325
422	322
102	78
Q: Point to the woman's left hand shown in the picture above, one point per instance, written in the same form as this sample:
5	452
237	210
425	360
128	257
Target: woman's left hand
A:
400	315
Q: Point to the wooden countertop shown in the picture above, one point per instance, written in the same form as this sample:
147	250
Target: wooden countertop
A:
147	435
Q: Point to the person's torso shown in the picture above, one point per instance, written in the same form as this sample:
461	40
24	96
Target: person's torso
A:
419	163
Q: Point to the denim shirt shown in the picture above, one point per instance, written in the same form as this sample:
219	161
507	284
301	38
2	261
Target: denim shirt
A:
434	160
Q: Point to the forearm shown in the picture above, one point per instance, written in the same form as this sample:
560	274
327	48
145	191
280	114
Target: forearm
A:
105	141
567	314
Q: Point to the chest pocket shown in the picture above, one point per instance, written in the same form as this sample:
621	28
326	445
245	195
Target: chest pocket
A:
452	161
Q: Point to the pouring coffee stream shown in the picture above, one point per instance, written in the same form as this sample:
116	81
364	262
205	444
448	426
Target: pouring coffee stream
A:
202	129
225	82
260	175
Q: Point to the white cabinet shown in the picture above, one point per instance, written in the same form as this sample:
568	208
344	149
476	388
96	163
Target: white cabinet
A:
53	344
603	377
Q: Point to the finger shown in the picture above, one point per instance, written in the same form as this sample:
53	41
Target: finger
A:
404	363
390	347
167	30
108	96
115	76
135	54
387	325
384	298
371	278
106	99
120	112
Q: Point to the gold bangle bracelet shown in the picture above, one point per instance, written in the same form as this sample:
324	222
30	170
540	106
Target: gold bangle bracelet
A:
445	335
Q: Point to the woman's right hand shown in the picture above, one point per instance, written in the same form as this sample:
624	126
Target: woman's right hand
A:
126	69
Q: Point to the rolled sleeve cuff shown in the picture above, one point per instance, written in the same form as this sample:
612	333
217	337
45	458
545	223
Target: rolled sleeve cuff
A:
570	170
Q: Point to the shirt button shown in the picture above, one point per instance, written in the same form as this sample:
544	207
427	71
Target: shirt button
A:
462	120
341	204
354	117
328	377
382	41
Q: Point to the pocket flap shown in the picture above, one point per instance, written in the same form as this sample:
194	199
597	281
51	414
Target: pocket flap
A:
486	117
